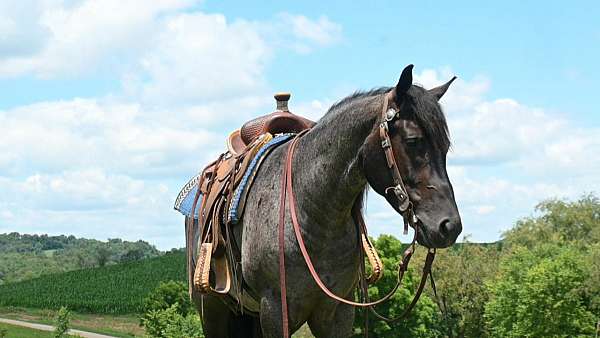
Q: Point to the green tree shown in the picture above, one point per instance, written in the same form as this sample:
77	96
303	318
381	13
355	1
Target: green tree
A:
103	254
167	295
62	322
424	318
461	274
538	294
559	221
169	323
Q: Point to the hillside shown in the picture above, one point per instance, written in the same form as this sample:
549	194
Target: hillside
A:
114	289
24	256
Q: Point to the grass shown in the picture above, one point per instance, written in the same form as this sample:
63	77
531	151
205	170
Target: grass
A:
13	331
125	326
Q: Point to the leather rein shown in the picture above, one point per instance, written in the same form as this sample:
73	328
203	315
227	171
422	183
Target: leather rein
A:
404	206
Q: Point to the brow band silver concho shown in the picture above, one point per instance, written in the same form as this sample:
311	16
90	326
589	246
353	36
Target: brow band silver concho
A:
390	114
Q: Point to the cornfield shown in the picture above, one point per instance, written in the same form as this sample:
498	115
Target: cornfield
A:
115	289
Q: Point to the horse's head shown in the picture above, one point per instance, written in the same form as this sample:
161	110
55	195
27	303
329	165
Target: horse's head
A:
419	142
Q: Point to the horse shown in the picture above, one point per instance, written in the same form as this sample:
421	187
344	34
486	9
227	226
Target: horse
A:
333	166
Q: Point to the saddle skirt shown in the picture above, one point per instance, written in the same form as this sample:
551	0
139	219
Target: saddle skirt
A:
213	202
185	199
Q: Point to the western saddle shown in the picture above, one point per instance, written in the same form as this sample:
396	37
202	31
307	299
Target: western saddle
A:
214	257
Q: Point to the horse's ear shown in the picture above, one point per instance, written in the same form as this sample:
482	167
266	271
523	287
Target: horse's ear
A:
438	92
405	81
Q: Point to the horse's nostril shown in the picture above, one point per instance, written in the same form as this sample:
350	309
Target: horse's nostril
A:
445	227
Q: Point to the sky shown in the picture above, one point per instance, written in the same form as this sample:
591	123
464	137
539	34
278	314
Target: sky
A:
108	107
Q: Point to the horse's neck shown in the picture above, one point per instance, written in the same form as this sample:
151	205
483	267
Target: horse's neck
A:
329	176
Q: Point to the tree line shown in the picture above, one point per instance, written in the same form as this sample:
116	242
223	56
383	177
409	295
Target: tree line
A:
541	280
24	256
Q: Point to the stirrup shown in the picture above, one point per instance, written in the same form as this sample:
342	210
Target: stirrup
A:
202	271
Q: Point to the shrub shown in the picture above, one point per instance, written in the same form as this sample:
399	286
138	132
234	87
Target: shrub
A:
169	323
62	321
166	295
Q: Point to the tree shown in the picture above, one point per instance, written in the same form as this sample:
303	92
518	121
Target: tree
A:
103	254
169	323
424	318
559	221
461	274
166	295
132	255
168	312
62	322
538	294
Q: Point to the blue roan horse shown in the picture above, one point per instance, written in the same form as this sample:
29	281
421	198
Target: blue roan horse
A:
333	164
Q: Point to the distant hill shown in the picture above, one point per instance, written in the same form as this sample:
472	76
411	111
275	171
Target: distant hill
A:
115	289
24	256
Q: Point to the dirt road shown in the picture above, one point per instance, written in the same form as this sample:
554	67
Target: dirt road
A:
51	328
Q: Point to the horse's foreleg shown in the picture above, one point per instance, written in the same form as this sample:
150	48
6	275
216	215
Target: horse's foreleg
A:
219	321
270	316
338	325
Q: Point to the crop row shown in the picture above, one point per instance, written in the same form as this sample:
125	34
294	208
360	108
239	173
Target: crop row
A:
111	289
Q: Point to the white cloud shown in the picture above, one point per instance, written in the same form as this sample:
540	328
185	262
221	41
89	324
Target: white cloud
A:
485	209
20	30
200	57
114	163
322	31
76	38
123	138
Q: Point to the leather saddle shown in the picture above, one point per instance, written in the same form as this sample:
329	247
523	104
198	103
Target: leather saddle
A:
213	255
278	122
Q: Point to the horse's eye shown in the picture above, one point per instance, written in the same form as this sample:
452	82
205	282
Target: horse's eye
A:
414	142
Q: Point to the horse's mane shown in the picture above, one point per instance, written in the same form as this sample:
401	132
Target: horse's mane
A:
425	109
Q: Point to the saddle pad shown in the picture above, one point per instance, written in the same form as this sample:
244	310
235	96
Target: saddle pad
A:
185	198
234	213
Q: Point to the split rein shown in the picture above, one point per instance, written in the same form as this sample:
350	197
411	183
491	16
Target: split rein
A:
404	206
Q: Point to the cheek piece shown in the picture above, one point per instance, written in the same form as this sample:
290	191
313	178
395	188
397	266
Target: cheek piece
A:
398	188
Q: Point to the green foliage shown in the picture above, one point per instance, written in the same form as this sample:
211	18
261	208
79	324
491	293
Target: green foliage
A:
538	294
560	221
25	256
167	295
171	323
110	289
460	276
591	287
423	319
542	280
3	332
62	322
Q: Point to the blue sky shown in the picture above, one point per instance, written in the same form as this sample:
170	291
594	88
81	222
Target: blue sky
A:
107	107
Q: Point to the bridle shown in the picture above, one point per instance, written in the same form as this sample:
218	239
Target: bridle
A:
405	207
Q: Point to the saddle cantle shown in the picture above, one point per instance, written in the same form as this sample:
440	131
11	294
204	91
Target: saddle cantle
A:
278	122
